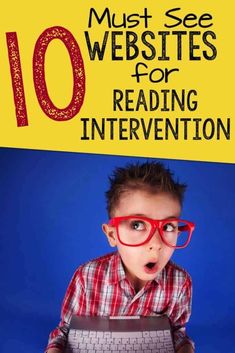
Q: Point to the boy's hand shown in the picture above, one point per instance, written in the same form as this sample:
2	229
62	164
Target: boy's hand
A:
187	348
54	350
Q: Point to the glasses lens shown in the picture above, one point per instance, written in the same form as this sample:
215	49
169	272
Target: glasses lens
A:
134	231
176	233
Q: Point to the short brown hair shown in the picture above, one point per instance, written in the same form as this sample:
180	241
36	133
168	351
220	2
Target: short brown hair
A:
151	176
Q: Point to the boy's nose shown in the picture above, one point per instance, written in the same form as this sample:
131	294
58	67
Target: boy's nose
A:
156	241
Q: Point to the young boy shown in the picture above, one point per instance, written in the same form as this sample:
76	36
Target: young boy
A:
144	206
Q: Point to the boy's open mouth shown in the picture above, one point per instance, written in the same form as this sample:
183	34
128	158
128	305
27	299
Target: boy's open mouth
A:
150	264
151	267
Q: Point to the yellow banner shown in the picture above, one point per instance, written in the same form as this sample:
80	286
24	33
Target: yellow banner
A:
116	77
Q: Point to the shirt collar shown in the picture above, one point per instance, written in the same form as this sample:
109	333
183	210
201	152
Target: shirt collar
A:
161	277
116	272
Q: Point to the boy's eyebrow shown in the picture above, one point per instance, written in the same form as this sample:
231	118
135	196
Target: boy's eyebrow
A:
143	215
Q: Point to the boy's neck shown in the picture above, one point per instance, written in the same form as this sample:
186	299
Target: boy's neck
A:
136	283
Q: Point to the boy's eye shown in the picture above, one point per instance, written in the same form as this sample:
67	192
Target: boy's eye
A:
137	225
169	227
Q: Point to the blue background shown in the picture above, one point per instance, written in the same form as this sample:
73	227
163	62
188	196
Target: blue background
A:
52	205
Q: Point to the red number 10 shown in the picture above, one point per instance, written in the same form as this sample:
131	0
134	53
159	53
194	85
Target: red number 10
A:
39	75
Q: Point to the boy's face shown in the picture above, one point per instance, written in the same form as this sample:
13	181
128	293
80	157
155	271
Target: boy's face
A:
136	259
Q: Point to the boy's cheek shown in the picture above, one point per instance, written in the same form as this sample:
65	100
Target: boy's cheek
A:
128	253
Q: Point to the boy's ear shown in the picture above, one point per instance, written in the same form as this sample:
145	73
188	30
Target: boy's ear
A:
110	233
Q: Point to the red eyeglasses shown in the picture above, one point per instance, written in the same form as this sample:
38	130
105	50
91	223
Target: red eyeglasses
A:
135	231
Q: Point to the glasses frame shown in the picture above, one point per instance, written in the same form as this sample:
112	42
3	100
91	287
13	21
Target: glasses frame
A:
155	224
